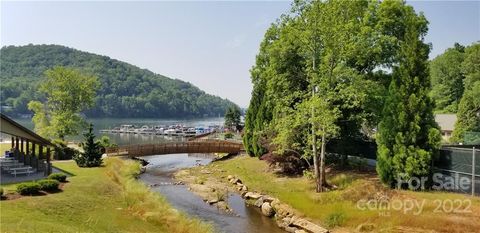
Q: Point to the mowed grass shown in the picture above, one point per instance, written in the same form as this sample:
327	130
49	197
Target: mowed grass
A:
337	210
5	147
105	199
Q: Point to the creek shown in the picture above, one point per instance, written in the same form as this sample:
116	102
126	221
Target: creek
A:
244	219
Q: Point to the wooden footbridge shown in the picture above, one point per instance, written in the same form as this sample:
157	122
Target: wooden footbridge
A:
197	146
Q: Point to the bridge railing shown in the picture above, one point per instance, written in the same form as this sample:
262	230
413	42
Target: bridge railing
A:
197	146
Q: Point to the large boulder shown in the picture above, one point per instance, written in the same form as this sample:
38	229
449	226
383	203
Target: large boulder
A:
251	195
259	202
282	209
300	231
213	201
269	198
308	226
267	209
235	181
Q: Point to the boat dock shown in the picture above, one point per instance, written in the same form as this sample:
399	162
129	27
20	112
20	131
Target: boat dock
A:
173	130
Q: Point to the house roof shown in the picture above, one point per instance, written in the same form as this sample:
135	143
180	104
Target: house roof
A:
446	121
13	128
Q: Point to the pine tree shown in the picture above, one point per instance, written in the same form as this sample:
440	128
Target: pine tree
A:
92	155
408	137
232	118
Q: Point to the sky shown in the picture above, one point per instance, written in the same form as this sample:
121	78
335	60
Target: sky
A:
211	44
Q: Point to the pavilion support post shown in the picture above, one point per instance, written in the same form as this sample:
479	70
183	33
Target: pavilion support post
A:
21	145
13	142
32	155
40	157
48	166
16	143
27	150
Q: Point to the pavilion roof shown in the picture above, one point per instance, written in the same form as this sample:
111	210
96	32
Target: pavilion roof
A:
11	127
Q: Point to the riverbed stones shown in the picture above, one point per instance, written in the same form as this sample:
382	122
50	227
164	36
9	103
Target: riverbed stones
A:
233	180
300	231
244	188
267	210
259	202
252	195
308	226
282	210
213	201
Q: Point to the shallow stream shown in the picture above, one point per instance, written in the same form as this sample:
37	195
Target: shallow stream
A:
246	219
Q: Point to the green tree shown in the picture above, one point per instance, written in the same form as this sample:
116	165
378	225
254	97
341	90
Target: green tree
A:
105	142
232	118
68	93
471	65
468	115
408	137
92	155
447	79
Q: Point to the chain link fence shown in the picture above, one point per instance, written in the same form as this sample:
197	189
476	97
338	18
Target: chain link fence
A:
457	164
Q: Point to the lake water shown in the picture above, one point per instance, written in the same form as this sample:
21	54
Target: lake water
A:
126	139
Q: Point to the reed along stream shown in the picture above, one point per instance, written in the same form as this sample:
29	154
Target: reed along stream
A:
246	219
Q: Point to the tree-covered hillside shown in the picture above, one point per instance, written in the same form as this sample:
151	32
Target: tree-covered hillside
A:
125	91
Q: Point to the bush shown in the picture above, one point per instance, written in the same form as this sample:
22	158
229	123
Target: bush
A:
28	188
60	177
228	135
335	219
63	152
308	174
1	192
48	184
290	164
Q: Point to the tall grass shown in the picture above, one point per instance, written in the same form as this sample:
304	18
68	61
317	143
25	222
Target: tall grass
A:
141	202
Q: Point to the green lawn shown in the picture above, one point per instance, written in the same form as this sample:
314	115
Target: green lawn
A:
337	210
105	199
4	147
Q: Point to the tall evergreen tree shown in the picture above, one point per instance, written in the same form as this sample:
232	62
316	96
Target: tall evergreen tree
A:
408	137
92	155
232	118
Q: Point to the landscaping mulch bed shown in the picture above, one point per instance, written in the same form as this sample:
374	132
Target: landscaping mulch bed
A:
15	195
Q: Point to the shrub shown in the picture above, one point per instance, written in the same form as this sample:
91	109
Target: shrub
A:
49	184
335	219
28	188
63	152
342	180
308	174
58	176
1	192
290	164
228	135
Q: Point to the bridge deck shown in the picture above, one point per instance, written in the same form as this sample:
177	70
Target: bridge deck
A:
200	146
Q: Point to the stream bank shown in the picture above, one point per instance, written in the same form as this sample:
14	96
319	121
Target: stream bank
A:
209	188
229	214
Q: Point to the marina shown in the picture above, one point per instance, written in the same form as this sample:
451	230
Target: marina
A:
172	130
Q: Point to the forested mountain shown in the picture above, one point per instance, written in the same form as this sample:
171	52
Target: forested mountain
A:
125	91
